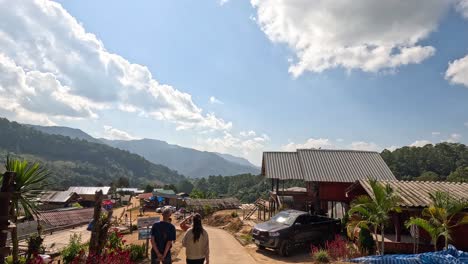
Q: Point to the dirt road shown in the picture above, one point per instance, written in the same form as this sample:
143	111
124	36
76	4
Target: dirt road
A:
224	249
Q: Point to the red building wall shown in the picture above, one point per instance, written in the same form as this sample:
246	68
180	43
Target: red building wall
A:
333	191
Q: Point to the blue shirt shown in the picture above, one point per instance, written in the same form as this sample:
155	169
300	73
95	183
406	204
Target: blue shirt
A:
162	233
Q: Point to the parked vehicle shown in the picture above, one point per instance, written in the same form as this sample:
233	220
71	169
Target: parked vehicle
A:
161	209
291	228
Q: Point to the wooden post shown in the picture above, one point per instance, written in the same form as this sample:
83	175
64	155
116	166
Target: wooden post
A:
5	195
396	224
101	226
131	229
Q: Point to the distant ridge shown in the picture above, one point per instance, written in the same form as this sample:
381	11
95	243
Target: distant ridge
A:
79	162
187	161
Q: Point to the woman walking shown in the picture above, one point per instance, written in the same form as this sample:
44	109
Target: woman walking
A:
196	242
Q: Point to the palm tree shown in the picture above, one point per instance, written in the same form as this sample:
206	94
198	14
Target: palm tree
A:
30	177
374	210
438	218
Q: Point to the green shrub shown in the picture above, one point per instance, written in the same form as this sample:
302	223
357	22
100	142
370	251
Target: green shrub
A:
366	242
9	260
234	214
73	248
208	210
137	252
321	256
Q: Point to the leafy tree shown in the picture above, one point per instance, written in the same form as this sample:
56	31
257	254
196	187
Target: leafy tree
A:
459	175
122	182
149	188
30	177
374	210
185	186
428	176
198	194
411	162
170	187
439	219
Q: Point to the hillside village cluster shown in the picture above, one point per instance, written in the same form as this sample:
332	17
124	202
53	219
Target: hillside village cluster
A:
341	187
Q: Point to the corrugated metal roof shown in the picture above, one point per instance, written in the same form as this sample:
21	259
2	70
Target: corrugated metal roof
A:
145	196
416	193
321	165
163	191
133	190
89	190
56	196
66	217
282	165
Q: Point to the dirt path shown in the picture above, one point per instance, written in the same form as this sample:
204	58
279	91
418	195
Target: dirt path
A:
224	249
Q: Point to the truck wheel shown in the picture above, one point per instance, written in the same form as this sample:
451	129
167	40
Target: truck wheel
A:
285	248
261	247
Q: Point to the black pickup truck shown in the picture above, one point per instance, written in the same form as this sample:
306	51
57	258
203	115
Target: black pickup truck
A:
291	228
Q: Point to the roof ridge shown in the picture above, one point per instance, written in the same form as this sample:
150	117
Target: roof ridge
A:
327	150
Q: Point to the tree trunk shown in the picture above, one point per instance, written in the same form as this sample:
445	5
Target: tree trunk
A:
376	240
446	242
14	231
382	226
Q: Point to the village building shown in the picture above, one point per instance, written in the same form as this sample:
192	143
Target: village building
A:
326	175
88	194
132	191
49	200
414	197
166	197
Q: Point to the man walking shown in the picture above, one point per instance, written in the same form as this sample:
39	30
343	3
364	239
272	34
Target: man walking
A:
163	234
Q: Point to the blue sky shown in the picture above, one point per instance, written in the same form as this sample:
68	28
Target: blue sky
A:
280	76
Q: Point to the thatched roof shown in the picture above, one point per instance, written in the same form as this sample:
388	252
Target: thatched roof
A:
219	204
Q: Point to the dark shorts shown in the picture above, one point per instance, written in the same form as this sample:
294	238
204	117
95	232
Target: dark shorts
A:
154	258
195	261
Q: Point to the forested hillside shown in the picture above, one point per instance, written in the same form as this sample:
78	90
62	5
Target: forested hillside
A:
443	161
190	162
246	187
80	162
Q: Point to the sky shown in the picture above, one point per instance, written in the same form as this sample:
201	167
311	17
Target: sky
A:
240	77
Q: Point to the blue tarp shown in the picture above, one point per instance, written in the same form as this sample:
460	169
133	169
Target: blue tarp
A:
449	256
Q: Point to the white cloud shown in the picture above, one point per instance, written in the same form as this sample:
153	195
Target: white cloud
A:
223	2
462	7
114	133
315	143
250	133
435	133
339	140
215	100
392	148
420	143
61	71
454	138
457	72
367	146
367	35
249	146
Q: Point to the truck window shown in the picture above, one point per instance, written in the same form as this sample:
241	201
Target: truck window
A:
302	219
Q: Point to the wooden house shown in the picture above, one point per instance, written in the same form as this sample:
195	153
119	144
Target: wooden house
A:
414	197
88	194
326	175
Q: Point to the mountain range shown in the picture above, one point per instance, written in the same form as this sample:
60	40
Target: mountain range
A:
187	161
74	161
